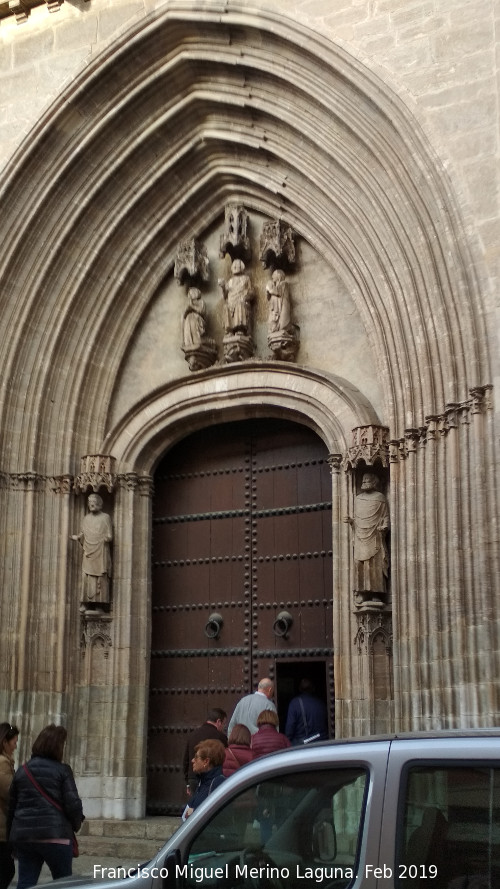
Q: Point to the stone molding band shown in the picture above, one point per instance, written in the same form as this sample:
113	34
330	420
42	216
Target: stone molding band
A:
371	443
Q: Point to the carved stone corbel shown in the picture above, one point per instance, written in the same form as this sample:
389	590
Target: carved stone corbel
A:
95	626
96	471
369	626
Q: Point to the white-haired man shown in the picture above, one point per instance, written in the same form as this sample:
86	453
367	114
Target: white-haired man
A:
249	707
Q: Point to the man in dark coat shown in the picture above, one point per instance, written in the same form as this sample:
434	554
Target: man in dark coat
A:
212	729
307	716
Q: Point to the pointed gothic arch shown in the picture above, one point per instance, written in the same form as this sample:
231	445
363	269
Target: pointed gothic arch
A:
191	108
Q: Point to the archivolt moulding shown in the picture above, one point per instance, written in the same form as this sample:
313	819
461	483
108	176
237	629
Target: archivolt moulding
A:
326	403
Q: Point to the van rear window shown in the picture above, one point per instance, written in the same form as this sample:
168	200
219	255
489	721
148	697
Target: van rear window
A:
450	829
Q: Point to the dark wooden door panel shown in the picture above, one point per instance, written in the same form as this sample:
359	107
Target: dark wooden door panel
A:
241	528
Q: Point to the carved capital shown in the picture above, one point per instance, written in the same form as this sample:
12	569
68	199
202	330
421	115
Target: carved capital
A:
27	481
145	485
61	484
191	262
129	481
432	427
452	414
412	439
370	444
96	471
234	239
277	248
481	398
335	463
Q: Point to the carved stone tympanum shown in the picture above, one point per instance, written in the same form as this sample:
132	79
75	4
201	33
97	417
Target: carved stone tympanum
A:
238	299
199	349
283	337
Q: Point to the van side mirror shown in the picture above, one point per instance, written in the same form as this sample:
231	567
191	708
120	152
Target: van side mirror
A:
169	870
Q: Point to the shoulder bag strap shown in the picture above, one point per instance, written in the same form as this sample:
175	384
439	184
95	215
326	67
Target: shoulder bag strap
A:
40	789
301	702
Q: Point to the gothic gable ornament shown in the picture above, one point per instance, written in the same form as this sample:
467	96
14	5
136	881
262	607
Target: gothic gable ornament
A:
234	240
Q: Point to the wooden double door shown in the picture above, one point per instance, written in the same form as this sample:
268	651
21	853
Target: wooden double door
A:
241	582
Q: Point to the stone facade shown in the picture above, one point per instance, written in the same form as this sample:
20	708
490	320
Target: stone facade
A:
370	129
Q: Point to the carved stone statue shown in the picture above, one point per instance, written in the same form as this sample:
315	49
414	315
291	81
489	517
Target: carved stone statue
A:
279	302
371	558
199	349
95	538
283	334
194	320
238	298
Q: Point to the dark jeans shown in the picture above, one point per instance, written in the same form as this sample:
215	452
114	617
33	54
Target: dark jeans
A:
7	866
31	857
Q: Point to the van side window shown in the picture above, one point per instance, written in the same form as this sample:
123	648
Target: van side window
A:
290	832
450	837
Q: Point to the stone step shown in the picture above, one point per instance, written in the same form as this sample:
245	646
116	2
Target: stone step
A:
127	840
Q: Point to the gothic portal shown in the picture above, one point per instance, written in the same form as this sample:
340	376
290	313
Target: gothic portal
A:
232	254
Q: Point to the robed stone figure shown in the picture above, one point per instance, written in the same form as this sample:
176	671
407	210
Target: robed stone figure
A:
95	537
370	525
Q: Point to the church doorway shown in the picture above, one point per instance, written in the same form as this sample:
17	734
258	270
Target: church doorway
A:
241	581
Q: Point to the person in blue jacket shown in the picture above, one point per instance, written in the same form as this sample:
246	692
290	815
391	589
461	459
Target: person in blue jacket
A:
207	765
307	716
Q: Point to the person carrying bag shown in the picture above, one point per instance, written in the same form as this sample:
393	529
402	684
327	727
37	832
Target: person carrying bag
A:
45	810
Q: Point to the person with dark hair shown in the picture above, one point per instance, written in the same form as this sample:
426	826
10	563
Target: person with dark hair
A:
238	752
44	810
207	766
267	738
307	716
213	728
8	743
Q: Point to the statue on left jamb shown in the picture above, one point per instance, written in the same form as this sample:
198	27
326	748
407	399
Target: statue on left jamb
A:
95	538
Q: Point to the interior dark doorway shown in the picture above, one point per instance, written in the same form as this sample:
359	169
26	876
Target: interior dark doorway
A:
288	676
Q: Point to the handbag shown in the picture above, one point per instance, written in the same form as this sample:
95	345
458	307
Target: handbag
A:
74	841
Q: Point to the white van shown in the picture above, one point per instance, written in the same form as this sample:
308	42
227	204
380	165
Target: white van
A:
400	812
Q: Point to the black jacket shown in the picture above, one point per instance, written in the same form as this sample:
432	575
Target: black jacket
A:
31	816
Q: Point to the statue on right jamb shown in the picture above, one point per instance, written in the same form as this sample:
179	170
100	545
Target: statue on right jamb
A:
371	558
